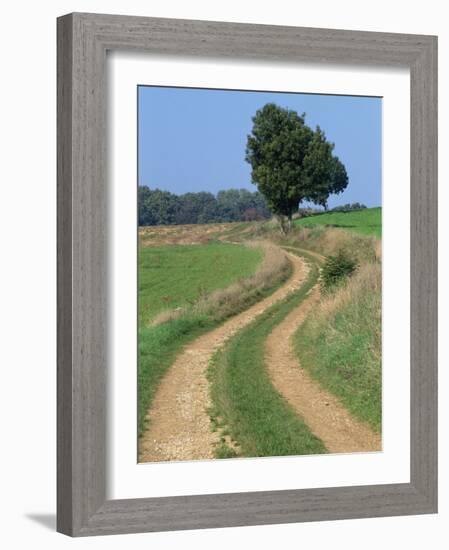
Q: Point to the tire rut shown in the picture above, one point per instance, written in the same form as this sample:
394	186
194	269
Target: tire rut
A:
326	417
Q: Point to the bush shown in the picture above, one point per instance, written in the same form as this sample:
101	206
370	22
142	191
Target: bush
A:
336	269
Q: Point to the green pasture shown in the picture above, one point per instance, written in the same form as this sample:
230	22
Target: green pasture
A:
367	221
175	276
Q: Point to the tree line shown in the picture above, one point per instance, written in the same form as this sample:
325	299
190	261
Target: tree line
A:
348	207
157	207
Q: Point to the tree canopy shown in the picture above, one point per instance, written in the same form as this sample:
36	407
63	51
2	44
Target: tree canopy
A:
291	162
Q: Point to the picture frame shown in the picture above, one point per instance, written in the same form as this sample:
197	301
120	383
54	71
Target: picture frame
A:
83	40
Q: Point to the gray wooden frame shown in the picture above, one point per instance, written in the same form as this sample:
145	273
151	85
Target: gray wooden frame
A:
83	40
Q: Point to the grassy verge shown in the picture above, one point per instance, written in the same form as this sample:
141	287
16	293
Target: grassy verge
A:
161	341
340	344
253	418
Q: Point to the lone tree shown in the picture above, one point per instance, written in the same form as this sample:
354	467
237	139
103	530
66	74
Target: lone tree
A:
291	162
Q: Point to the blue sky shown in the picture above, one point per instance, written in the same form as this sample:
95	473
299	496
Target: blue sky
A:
194	139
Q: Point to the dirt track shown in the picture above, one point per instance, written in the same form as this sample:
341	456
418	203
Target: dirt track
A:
323	413
179	425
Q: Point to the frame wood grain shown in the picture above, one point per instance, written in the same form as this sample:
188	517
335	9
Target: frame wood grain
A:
83	40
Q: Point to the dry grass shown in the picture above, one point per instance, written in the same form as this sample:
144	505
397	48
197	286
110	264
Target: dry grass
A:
167	315
340	343
158	235
364	289
366	281
219	304
328	241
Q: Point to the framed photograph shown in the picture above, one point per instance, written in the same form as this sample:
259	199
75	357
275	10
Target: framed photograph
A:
247	274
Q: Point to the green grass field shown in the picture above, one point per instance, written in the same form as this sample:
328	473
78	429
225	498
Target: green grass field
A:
367	221
245	405
174	276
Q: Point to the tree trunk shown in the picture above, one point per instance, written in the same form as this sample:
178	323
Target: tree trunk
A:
285	223
281	220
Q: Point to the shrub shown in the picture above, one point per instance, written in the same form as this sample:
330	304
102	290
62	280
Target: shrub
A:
336	269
